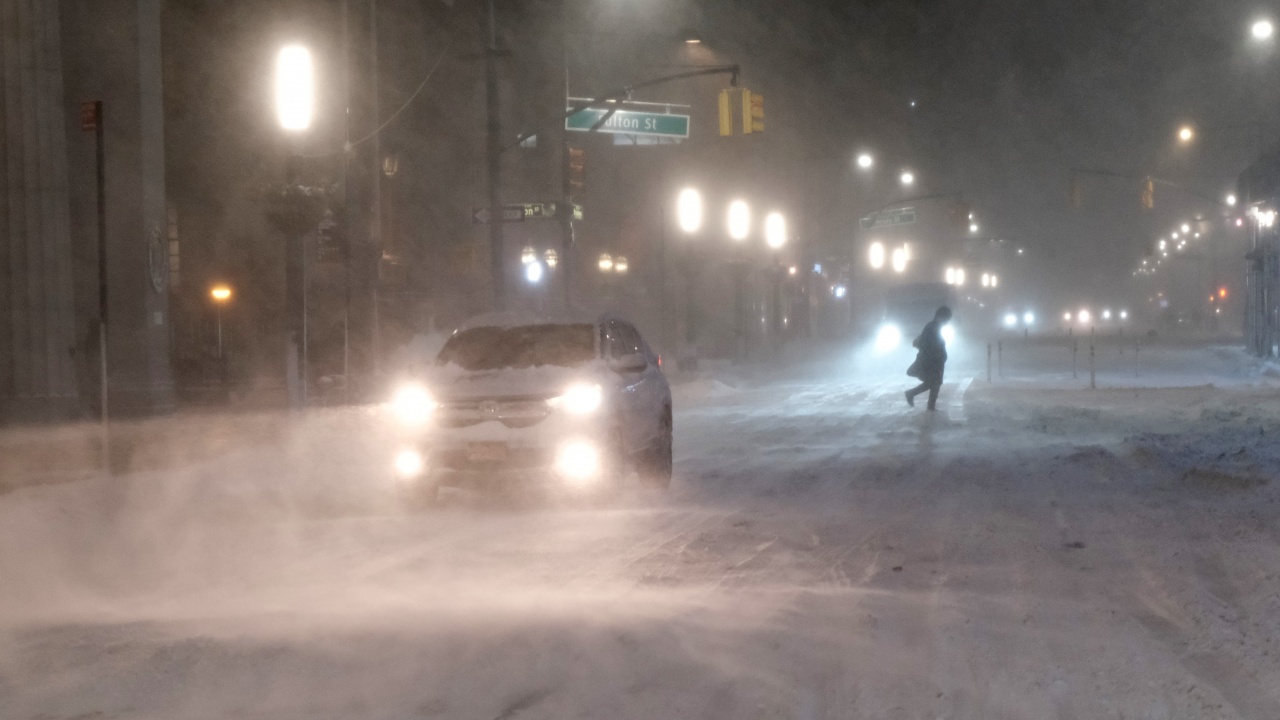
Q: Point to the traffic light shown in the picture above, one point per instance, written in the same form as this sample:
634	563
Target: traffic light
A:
577	170
752	112
726	114
1149	194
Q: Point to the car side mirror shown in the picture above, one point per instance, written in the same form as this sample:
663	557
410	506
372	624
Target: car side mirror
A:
632	363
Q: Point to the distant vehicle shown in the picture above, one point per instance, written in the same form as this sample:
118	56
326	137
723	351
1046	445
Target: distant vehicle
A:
512	401
906	310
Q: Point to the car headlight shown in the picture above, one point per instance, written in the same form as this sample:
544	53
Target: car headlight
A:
888	337
948	333
578	461
409	464
579	399
413	404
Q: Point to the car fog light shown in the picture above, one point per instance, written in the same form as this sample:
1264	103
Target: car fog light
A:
578	461
409	464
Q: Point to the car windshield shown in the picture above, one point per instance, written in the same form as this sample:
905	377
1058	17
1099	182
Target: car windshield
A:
496	348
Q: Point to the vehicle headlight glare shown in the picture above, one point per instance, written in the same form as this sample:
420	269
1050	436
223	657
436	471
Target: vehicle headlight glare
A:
578	461
409	464
580	399
413	404
888	338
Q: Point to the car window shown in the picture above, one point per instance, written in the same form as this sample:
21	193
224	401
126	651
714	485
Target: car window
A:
494	348
629	342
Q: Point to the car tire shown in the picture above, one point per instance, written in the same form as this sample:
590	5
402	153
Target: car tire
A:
658	461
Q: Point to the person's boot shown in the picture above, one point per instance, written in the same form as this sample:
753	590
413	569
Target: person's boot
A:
911	400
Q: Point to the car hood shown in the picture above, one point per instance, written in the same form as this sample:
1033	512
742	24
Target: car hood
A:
454	383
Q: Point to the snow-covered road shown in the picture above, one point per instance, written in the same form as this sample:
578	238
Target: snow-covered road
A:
1034	550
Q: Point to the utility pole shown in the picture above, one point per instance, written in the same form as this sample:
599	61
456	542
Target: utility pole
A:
493	149
376	338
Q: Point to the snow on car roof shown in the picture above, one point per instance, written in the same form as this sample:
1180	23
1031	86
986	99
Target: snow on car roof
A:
512	319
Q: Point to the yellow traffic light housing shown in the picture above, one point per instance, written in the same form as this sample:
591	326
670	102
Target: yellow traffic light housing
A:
752	112
726	114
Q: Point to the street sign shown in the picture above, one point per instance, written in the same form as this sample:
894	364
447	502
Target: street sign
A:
889	218
629	122
522	212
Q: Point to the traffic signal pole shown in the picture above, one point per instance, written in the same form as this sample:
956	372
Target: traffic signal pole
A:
493	148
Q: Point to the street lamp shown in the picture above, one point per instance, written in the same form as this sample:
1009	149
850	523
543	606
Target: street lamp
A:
1262	29
908	178
1186	134
875	255
899	260
865	161
775	230
295	88
1185	228
533	272
689	210
221	295
739	220
1231	200
973	227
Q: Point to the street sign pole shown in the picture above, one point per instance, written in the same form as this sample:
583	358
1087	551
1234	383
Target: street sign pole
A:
91	121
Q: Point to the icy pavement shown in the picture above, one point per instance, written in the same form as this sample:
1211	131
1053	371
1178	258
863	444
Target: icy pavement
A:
1036	549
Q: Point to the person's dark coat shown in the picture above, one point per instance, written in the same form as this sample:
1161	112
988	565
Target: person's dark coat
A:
932	356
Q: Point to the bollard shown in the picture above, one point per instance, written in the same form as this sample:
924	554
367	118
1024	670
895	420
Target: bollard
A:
1000	358
1075	347
1093	380
988	362
1137	359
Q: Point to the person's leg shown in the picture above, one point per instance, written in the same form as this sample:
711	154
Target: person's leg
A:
933	395
916	391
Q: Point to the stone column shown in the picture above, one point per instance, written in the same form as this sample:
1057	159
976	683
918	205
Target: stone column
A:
37	379
111	51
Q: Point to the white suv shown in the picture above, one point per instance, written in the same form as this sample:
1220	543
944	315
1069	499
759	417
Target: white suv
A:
514	400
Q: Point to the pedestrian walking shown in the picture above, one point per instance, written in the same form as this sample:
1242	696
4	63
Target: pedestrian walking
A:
931	359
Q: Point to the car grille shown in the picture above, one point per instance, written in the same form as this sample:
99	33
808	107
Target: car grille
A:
514	459
514	413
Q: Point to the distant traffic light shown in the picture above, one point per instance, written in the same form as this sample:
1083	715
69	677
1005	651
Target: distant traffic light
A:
726	114
752	112
577	170
1149	194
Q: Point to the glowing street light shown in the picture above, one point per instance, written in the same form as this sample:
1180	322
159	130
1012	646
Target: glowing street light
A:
1186	228
908	178
1186	134
973	227
220	294
295	88
875	255
533	272
899	260
775	230
739	220
1029	318
865	161
1231	200
1262	29
1083	316
689	210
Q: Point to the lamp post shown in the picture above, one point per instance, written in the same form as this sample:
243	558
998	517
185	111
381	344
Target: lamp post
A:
295	104
775	236
738	221
221	295
689	211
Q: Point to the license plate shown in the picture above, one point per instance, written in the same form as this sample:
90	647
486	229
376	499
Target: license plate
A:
488	452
